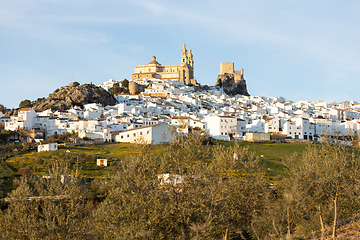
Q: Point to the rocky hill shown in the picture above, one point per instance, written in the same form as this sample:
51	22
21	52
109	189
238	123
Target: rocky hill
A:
230	85
74	95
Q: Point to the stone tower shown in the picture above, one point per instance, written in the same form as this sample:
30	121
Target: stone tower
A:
231	81
186	71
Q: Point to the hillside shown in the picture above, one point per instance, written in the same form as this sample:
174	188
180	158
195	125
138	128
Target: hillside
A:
216	195
74	95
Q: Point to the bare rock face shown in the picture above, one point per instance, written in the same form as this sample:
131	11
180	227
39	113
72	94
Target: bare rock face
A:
230	86
74	95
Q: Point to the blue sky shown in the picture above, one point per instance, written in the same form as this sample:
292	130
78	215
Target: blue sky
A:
301	50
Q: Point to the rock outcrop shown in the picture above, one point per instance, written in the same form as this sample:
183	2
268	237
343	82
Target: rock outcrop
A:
74	95
230	85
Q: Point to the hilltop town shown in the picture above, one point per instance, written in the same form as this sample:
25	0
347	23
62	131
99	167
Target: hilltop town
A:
162	96
193	188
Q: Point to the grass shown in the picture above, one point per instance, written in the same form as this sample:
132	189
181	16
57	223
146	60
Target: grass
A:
273	155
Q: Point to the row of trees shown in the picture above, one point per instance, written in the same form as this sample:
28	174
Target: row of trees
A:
218	197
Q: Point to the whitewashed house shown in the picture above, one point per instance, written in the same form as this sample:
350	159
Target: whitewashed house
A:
299	128
181	123
273	125
150	134
48	125
48	147
4	119
256	125
108	85
337	114
322	126
219	127
76	112
25	120
91	114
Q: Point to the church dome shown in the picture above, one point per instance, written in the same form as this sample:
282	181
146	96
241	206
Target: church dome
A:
153	61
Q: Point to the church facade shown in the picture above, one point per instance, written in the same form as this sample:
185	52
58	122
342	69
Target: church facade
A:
183	72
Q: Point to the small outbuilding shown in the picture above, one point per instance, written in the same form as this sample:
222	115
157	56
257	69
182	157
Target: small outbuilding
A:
257	137
48	147
101	162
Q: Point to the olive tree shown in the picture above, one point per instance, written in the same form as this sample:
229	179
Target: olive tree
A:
46	208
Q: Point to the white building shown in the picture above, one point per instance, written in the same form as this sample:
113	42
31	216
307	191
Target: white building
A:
25	120
48	147
273	125
151	134
107	85
299	128
219	127
256	125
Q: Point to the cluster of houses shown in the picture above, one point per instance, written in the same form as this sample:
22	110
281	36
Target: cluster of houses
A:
166	105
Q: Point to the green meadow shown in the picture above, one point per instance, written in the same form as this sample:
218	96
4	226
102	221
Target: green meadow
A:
273	156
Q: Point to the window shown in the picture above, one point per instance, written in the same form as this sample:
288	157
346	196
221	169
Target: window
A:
122	137
140	133
128	136
134	134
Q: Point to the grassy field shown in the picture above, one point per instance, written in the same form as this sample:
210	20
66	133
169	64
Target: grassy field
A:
273	156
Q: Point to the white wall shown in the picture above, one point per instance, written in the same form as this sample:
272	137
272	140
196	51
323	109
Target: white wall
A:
154	134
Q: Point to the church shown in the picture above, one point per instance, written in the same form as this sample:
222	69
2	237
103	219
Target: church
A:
183	72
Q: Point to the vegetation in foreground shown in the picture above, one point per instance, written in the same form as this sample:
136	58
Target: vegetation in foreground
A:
209	195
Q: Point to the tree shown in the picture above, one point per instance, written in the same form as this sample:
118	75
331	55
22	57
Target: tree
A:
116	89
25	104
214	196
48	208
125	83
324	185
4	135
3	109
